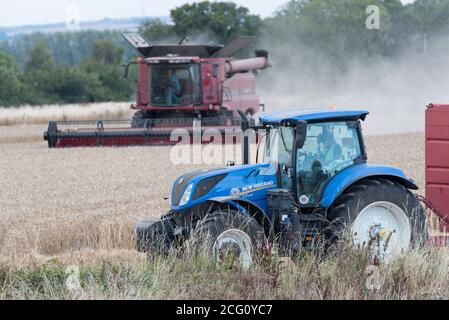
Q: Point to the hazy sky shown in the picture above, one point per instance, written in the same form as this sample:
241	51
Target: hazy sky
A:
13	13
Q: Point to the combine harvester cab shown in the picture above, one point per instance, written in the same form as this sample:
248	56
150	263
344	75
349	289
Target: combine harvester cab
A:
179	86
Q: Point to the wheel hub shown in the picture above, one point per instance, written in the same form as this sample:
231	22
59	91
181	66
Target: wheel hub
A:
384	229
233	248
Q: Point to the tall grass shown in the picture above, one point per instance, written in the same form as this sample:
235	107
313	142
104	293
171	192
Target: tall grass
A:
420	274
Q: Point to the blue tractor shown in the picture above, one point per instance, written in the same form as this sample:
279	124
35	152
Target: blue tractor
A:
313	186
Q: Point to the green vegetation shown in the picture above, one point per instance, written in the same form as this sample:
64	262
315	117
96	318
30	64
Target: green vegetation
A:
421	274
97	78
304	36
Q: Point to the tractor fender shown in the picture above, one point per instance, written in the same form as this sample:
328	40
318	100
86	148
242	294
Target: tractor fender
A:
239	204
347	177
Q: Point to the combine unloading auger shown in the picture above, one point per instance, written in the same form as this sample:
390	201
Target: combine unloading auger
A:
179	87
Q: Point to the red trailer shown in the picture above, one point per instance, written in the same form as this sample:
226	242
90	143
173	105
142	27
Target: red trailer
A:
437	166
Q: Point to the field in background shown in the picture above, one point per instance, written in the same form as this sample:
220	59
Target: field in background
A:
383	119
44	114
77	206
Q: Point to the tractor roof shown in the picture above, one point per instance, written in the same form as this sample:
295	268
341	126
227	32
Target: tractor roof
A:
313	115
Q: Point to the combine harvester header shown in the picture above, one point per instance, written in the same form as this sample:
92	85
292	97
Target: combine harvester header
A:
178	86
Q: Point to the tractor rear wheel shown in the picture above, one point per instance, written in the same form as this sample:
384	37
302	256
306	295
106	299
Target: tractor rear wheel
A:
231	238
380	215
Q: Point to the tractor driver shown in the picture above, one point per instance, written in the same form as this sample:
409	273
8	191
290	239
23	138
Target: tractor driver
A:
328	149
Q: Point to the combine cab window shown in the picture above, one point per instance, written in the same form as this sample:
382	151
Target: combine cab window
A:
329	148
174	85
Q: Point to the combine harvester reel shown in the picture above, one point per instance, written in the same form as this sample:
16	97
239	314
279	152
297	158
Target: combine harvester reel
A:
120	133
179	86
117	133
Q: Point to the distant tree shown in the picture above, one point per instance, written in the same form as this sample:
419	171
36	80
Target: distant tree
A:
155	30
335	30
67	48
224	20
105	51
432	23
38	75
72	85
40	59
10	83
9	62
433	15
105	65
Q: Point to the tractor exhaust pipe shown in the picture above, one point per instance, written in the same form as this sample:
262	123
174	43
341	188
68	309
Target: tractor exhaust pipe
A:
245	144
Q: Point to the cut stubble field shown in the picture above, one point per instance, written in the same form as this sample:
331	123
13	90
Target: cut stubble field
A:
57	201
76	206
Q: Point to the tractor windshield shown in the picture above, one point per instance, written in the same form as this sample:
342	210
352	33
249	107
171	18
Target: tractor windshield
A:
328	149
174	85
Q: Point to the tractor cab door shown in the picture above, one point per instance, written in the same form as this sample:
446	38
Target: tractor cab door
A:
279	153
329	148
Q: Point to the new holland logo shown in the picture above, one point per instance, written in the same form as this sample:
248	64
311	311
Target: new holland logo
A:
258	186
235	191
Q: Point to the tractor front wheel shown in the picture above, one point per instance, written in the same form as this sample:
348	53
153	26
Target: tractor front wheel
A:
380	215
231	238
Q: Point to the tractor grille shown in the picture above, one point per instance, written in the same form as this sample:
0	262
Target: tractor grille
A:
206	185
182	183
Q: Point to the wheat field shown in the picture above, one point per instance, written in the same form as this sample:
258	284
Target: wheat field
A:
78	206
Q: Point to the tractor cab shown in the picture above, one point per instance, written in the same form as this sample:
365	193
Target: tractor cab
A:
308	152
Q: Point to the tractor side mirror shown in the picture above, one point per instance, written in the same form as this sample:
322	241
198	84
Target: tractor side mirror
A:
287	169
230	163
300	134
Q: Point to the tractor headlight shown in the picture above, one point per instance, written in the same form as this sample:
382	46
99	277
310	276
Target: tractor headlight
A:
186	196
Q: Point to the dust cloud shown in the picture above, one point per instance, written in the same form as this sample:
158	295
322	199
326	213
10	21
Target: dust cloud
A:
395	91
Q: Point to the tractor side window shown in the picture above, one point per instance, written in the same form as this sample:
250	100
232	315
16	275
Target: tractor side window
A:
329	148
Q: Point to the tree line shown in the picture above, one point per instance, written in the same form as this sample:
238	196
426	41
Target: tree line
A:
70	67
40	80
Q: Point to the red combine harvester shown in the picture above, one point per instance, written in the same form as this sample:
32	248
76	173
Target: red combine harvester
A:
437	168
179	86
